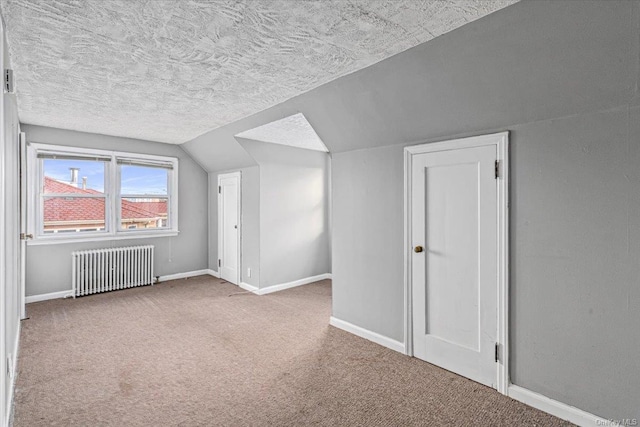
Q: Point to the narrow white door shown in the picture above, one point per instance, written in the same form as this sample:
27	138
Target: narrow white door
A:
228	226
454	217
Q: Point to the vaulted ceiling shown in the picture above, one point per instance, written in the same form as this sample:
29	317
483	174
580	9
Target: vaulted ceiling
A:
170	71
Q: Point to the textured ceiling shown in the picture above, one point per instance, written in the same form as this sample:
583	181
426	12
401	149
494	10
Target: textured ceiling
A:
294	131
169	71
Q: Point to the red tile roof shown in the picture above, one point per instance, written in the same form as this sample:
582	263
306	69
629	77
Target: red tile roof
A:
62	209
54	186
158	208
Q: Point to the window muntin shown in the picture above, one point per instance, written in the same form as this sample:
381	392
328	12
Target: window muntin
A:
74	199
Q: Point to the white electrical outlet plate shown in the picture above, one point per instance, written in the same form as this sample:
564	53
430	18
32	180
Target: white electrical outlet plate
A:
248	272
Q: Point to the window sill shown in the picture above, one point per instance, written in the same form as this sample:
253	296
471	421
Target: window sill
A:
105	238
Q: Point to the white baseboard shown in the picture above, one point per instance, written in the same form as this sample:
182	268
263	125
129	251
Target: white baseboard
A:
248	287
45	297
69	293
185	275
553	407
367	334
288	285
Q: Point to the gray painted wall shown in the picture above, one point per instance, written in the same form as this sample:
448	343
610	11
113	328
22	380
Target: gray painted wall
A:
294	212
285	215
251	214
212	243
367	238
250	195
48	266
575	246
563	76
570	70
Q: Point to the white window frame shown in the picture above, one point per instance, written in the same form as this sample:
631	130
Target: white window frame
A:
113	230
146	162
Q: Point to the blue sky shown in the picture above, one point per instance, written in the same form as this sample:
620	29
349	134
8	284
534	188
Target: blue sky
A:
141	180
135	179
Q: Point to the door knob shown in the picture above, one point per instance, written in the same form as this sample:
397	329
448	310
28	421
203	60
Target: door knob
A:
418	249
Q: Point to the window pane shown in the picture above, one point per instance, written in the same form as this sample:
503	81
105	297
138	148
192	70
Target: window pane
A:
141	213
73	176
71	214
136	180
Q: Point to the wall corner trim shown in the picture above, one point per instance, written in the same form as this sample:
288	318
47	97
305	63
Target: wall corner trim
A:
213	273
288	285
45	297
248	287
553	407
283	286
367	334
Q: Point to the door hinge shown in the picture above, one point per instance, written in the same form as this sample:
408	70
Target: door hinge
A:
219	189
219	263
497	169
497	352
24	236
8	80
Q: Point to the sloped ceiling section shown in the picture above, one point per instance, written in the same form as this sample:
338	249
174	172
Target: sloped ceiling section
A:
294	131
519	65
169	71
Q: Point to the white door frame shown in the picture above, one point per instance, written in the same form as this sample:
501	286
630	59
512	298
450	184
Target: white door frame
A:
23	223
221	176
3	255
501	142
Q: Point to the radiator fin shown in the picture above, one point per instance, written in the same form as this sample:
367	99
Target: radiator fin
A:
104	270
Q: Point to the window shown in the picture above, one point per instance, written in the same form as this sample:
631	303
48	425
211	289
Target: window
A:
68	204
143	194
95	194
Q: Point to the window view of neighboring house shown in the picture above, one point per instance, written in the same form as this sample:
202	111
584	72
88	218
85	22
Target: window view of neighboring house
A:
98	194
149	213
66	214
143	195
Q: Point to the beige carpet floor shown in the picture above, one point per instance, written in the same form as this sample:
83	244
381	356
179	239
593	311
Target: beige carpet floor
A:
200	352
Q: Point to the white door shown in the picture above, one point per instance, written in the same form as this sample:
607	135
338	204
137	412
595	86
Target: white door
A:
228	226
454	266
